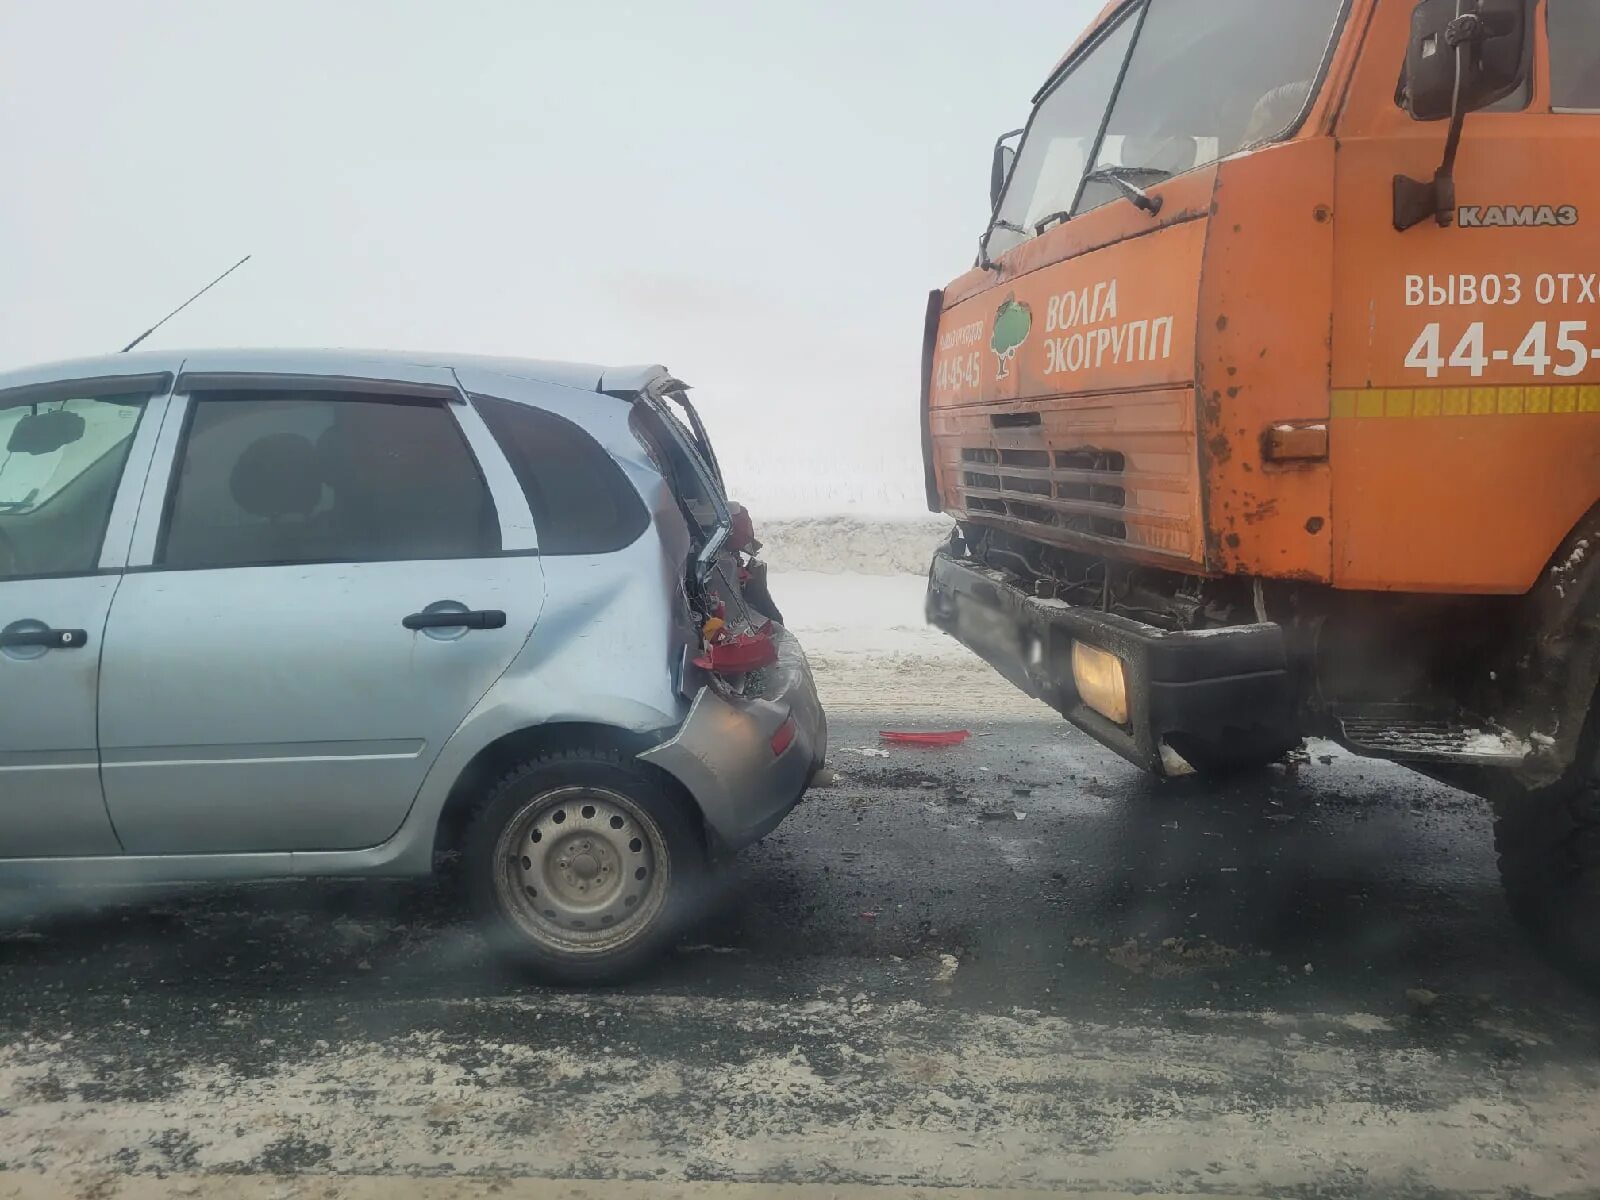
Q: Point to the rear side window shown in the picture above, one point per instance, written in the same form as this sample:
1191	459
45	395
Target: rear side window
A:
299	477
581	501
668	449
1574	54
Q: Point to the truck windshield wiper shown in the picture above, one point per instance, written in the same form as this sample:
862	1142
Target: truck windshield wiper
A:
1118	177
984	260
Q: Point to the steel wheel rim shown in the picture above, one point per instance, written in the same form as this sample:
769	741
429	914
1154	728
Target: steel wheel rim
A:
582	870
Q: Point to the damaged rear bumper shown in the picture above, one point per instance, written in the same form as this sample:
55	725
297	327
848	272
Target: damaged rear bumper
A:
1208	698
724	751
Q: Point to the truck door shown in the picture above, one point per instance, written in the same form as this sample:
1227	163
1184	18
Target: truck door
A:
1466	358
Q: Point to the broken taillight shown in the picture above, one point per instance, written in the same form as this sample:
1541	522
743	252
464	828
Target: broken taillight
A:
740	654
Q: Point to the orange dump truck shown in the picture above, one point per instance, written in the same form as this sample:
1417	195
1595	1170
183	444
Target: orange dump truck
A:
1271	407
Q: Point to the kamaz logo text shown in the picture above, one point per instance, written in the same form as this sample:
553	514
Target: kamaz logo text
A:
1498	216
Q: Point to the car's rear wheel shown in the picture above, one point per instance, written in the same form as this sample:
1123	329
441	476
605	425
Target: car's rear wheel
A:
581	866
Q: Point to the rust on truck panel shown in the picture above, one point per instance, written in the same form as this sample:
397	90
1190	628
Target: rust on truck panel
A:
1463	433
1253	298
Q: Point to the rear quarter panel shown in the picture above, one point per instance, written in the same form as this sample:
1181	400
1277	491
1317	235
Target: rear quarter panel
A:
608	637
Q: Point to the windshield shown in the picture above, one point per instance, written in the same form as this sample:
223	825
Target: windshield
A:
1261	61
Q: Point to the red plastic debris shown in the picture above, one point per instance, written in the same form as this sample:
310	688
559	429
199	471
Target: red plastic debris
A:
953	737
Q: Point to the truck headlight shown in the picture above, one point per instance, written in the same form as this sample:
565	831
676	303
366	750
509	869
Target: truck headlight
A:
1101	682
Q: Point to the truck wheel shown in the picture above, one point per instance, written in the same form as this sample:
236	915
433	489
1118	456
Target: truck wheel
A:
1549	847
581	866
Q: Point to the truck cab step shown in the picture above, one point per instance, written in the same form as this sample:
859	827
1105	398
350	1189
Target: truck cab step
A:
1408	734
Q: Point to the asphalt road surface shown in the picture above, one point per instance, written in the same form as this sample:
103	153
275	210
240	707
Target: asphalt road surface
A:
1017	964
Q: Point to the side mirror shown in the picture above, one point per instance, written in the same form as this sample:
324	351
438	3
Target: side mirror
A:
45	433
1463	54
1486	36
1005	154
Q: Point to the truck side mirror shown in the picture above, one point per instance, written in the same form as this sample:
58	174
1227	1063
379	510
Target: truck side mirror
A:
1005	154
1487	35
1463	55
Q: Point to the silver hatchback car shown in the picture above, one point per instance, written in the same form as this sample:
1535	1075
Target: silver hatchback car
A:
293	613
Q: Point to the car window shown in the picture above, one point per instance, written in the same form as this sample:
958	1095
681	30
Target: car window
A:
581	501
60	462
670	447
1574	54
323	477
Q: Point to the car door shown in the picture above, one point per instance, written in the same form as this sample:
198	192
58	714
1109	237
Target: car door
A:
329	575
73	454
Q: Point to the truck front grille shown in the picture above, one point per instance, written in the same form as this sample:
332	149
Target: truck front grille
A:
1075	491
1109	473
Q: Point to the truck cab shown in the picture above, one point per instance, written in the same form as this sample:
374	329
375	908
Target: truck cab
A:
1271	405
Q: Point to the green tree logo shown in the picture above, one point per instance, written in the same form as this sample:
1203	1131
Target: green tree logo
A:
1012	324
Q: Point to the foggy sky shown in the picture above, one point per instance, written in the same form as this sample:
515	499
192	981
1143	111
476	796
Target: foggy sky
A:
758	195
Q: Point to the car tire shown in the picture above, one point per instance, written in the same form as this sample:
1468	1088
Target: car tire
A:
1548	842
582	866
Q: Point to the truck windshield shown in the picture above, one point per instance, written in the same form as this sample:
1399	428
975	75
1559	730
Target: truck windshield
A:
1202	81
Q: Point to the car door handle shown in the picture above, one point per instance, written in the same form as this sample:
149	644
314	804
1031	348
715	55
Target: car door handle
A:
473	618
51	639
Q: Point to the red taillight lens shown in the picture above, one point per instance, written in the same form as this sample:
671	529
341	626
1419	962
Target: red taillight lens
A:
782	739
740	654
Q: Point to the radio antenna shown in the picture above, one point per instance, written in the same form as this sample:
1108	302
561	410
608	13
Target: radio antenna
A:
185	304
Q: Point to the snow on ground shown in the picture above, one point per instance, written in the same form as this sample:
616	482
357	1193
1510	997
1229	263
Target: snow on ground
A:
852	590
872	650
861	617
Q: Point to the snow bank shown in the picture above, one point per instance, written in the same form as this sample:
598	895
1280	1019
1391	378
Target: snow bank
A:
852	545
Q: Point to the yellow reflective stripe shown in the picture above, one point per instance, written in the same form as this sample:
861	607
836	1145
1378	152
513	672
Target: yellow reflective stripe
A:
1345	403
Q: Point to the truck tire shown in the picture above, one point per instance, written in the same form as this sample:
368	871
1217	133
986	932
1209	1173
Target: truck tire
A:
1548	843
581	866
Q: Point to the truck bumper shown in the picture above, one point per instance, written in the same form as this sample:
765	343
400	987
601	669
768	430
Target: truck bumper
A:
1202	699
723	752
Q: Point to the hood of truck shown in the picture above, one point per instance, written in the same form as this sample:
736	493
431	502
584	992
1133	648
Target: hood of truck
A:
1062	389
